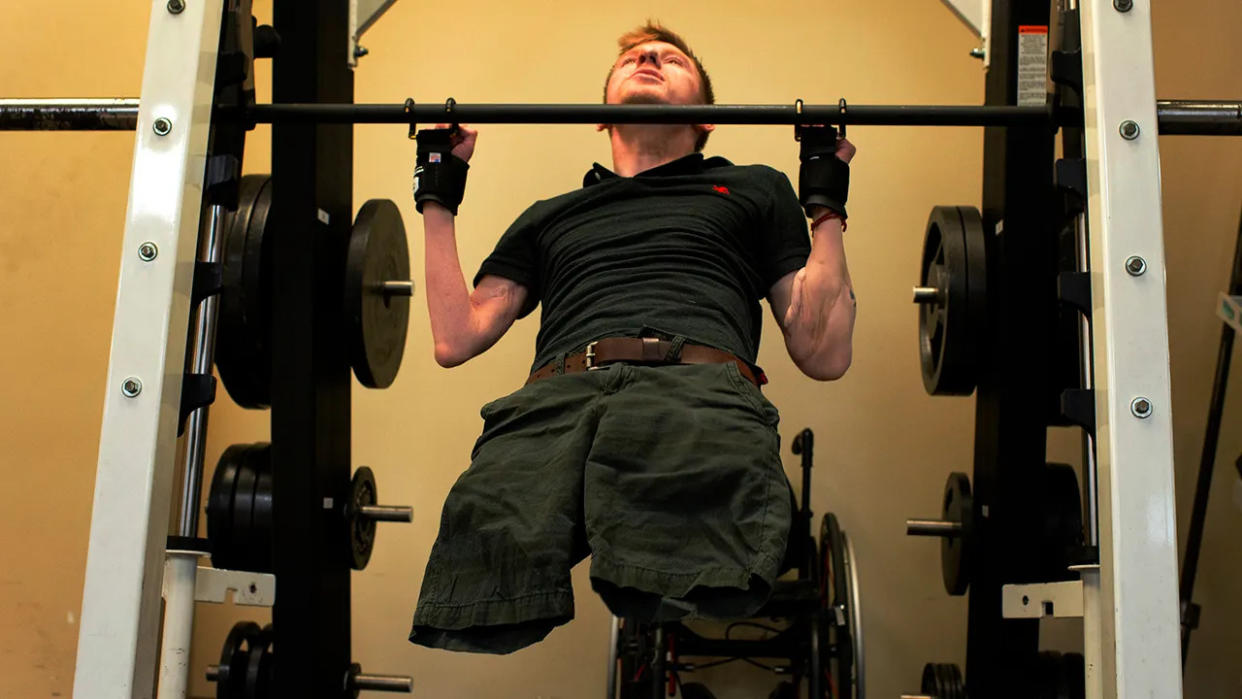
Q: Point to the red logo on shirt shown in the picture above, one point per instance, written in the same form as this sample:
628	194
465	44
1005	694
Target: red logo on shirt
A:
720	188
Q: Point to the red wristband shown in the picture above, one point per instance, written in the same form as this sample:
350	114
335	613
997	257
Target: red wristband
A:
825	217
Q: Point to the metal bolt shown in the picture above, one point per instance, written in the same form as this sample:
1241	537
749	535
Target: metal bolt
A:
176	6
1140	407
1123	5
131	386
1136	265
978	53
148	251
162	126
360	51
1129	130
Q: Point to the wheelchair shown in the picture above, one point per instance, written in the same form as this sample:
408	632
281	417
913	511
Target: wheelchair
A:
821	640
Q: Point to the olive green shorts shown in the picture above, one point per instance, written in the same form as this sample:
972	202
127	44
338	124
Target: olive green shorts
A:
670	477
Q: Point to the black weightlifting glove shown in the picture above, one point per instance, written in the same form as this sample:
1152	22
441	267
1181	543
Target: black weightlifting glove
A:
439	175
823	179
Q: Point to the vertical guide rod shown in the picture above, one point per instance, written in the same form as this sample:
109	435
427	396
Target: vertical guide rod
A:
180	571
204	354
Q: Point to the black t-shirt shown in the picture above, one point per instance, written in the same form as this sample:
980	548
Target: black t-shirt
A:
687	248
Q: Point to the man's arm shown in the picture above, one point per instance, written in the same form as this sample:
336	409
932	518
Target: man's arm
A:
815	307
463	324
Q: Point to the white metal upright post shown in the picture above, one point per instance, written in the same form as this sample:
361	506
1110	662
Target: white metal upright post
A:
1130	605
119	635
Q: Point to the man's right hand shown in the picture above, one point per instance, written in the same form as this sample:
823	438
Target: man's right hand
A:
439	176
463	140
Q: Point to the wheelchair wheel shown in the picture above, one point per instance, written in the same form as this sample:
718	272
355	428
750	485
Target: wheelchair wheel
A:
839	633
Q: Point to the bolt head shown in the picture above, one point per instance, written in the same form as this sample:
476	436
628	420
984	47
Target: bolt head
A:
162	126
1141	407
1136	266
1123	5
360	51
1129	130
131	386
176	6
148	251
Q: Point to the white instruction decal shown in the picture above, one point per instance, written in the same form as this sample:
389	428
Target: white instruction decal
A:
1032	65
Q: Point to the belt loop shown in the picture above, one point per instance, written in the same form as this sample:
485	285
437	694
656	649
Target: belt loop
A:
674	351
560	364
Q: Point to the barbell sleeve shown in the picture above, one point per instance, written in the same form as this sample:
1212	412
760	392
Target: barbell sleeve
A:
933	527
398	288
382	683
387	513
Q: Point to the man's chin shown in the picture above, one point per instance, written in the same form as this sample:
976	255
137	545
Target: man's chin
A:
643	97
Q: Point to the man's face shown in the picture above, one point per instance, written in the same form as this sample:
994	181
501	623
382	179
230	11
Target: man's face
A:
654	73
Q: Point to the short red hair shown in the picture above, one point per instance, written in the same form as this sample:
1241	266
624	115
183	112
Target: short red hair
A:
654	31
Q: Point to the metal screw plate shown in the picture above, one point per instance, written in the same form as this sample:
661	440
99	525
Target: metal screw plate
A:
131	386
148	251
1136	265
1140	407
176	6
162	126
1123	5
1129	130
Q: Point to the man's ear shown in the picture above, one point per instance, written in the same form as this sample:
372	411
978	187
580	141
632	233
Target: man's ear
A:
603	127
705	128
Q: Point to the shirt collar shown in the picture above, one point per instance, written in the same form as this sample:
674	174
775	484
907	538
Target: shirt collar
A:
687	165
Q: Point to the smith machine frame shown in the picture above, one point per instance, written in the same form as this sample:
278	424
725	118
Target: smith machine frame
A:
184	180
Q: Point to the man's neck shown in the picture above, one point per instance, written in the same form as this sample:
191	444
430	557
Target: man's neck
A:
639	147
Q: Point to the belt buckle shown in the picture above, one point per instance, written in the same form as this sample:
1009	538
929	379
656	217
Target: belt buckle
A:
590	356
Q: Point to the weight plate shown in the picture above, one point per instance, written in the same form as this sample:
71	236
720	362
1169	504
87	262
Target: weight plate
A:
955	551
243	514
1063	535
259	543
361	532
220	505
376	321
243	330
258	665
953	263
943	681
234	658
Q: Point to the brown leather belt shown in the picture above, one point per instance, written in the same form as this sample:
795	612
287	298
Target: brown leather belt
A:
644	350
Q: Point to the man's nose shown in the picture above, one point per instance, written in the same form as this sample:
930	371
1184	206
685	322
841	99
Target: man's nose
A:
649	55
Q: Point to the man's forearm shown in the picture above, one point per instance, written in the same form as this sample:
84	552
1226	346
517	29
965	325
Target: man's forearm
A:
448	300
821	325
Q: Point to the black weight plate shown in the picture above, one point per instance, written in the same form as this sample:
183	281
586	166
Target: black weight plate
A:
952	249
234	657
243	330
943	681
361	530
834	596
259	544
955	551
243	513
220	505
376	322
976	287
258	665
1063	534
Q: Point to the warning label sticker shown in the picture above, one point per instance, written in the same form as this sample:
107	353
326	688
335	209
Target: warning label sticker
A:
1032	64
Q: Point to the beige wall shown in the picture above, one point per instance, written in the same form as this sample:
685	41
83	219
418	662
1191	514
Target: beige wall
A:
884	446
